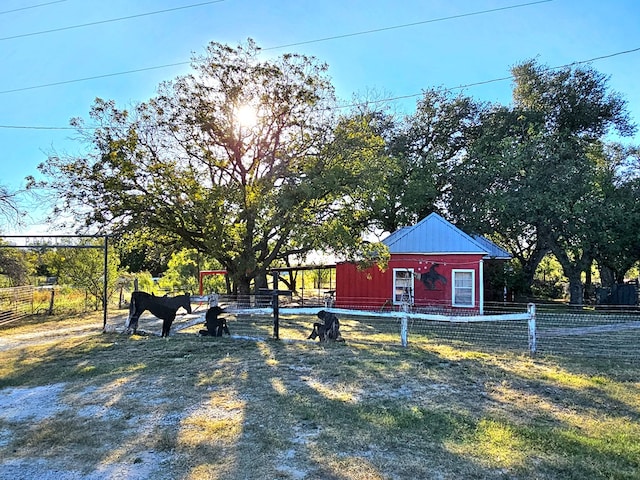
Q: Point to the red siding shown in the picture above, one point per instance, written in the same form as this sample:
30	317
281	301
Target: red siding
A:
372	288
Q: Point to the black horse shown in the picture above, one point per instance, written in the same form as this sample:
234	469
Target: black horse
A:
430	278
329	329
216	325
164	308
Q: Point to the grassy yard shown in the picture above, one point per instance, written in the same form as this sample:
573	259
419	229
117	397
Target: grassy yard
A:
77	403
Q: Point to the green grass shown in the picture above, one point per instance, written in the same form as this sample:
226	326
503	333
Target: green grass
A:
192	407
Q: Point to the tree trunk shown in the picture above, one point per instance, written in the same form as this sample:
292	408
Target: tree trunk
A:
576	293
529	266
244	291
607	276
260	282
573	271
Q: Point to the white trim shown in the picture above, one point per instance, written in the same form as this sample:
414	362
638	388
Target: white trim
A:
481	293
473	287
412	287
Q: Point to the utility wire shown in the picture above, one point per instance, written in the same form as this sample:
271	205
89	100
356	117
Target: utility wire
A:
71	27
405	25
127	72
106	75
32	6
493	80
390	99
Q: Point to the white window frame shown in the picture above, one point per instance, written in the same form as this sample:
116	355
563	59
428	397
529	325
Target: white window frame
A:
405	280
454	289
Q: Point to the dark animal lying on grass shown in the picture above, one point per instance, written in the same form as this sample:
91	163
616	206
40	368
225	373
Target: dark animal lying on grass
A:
216	325
329	329
164	308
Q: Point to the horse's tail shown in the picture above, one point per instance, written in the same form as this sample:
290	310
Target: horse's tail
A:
132	309
188	302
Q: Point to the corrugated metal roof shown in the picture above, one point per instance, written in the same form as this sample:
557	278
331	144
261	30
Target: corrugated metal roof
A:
493	250
434	234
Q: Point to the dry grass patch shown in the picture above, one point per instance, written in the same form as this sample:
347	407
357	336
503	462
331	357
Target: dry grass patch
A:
114	406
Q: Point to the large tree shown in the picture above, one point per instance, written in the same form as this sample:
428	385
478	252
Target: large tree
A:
423	149
617	246
242	160
579	112
495	190
539	177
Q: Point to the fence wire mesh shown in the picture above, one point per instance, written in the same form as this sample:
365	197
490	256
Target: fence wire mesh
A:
595	334
612	333
16	303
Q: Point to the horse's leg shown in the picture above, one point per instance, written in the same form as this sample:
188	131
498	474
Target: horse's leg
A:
133	325
166	324
322	332
217	325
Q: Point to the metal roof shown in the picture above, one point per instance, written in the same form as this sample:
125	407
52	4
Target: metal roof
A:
434	234
493	250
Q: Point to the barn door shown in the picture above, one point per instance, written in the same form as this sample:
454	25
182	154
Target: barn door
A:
403	291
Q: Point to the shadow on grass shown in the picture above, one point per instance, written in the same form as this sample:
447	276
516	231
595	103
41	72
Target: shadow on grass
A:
191	407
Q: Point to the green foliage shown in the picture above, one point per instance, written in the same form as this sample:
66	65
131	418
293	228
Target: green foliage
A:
84	268
14	267
534	175
182	274
146	282
143	250
549	281
186	170
422	152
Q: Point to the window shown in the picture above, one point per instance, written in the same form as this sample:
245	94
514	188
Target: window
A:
463	288
402	286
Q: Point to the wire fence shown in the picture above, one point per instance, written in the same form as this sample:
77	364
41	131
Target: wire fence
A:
15	303
19	302
613	333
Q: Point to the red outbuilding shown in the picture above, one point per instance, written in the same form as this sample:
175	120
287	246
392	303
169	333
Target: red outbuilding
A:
434	266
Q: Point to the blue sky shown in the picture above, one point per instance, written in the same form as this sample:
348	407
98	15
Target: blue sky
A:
463	50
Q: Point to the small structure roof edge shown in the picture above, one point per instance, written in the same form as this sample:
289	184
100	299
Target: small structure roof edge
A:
433	234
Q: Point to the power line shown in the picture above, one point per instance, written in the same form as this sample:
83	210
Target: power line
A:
71	27
95	77
389	99
405	25
366	32
32	6
493	80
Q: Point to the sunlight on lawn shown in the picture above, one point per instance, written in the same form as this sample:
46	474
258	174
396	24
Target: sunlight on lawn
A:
217	422
341	392
497	444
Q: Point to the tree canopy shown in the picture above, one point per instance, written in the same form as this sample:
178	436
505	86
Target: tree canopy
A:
244	159
535	175
249	162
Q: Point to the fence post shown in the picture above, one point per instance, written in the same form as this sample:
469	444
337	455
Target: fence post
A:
404	321
276	307
531	308
53	295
